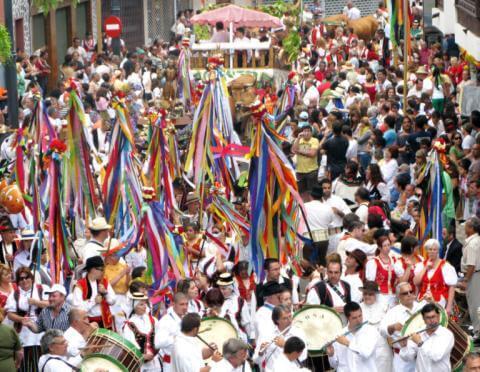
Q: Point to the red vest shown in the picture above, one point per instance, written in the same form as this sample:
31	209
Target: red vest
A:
317	33
436	283
105	307
382	277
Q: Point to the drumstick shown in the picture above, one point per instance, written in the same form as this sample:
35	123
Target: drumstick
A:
206	343
205	330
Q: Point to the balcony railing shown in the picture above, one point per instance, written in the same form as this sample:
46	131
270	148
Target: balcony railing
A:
236	55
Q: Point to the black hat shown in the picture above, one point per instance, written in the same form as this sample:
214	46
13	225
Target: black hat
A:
94	262
225	279
317	191
5	224
272	288
369	286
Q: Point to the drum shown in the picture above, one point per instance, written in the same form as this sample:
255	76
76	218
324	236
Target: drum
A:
216	330
463	343
107	350
321	325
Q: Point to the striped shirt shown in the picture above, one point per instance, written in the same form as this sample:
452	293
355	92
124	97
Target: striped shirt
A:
46	319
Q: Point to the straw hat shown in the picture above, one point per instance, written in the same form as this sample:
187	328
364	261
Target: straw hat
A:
225	279
421	70
99	224
191	198
137	296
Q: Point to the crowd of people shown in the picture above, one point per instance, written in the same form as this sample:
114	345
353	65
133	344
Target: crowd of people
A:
363	149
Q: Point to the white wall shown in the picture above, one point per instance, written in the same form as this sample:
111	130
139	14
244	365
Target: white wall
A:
446	23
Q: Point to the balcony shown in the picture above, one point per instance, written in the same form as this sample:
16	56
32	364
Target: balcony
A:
468	14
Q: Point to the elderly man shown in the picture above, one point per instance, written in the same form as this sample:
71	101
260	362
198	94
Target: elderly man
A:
267	352
472	362
169	326
187	354
394	321
470	266
235	353
55	315
54	349
78	332
431	349
356	350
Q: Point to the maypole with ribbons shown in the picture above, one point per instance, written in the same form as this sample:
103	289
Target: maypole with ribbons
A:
275	200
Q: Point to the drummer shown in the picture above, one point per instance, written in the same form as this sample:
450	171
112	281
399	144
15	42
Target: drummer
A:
270	347
332	292
187	354
140	329
78	332
430	350
54	349
394	321
355	349
169	328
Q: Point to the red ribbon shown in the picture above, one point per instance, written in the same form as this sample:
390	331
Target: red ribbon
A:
231	149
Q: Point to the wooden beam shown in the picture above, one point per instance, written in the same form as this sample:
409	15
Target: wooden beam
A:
71	25
51	41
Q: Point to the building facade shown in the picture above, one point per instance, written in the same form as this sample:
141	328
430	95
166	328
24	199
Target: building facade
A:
462	19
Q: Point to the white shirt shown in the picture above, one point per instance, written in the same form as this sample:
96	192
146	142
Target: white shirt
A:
90	306
27	337
54	365
230	308
90	249
353	13
225	366
273	352
471	253
355	283
168	329
339	203
350	244
362	212
196	306
389	171
75	342
283	364
434	354
311	96
136	258
359	356
318	216
263	321
187	354
22	259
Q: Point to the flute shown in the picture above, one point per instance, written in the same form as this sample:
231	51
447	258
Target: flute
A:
345	334
432	326
262	350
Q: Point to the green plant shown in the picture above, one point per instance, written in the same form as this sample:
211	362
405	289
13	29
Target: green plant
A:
202	32
292	44
46	5
279	8
5	45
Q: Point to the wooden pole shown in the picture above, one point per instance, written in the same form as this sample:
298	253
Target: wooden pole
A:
406	35
99	26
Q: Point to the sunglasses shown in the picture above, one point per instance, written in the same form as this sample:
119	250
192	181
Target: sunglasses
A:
406	293
20	278
457	138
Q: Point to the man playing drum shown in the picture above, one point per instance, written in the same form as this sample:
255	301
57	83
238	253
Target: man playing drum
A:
187	354
430	349
288	360
235	353
169	327
355	349
394	321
